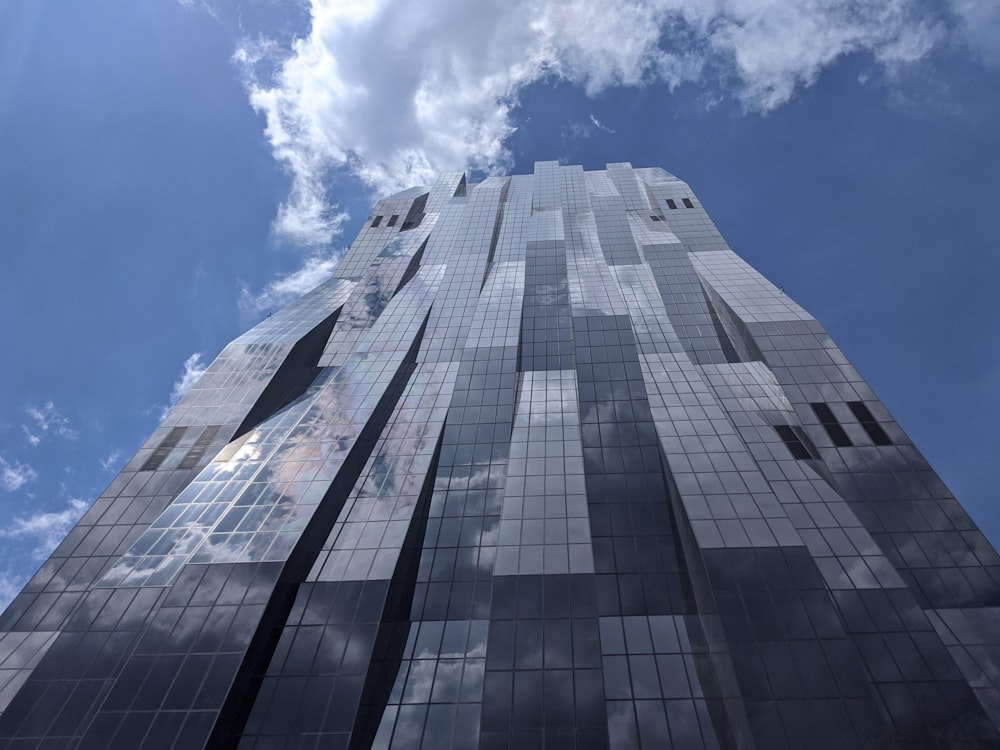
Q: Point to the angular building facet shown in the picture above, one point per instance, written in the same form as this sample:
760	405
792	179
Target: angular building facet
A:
544	464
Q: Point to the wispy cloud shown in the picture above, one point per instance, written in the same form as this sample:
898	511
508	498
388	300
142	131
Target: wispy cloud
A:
394	102
10	585
576	131
14	474
281	291
979	25
111	461
601	126
201	5
193	369
46	420
46	529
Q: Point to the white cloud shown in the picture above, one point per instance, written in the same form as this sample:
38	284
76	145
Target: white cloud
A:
14	475
285	289
200	5
306	217
47	420
601	126
10	585
110	463
194	368
778	46
979	24
580	130
46	530
394	92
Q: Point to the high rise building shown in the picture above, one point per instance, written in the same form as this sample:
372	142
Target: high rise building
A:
544	464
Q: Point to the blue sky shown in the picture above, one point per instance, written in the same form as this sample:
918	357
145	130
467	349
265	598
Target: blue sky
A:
170	171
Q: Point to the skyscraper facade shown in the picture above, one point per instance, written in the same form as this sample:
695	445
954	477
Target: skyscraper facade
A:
543	465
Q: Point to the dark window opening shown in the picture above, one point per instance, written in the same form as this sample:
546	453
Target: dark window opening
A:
670	203
795	446
197	451
725	340
655	218
832	426
392	220
861	411
688	203
163	449
293	377
824	412
869	423
416	213
376	221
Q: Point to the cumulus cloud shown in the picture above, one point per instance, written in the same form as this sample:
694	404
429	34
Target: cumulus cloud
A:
307	217
193	369
14	474
46	529
777	47
47	420
394	92
281	291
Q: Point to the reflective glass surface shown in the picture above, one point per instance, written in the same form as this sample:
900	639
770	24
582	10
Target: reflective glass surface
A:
544	464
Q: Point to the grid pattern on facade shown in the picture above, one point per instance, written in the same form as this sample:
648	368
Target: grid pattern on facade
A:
544	464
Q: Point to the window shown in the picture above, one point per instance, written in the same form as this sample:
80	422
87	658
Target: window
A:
688	203
197	450
377	220
163	449
832	426
655	218
795	446
869	423
392	220
670	203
